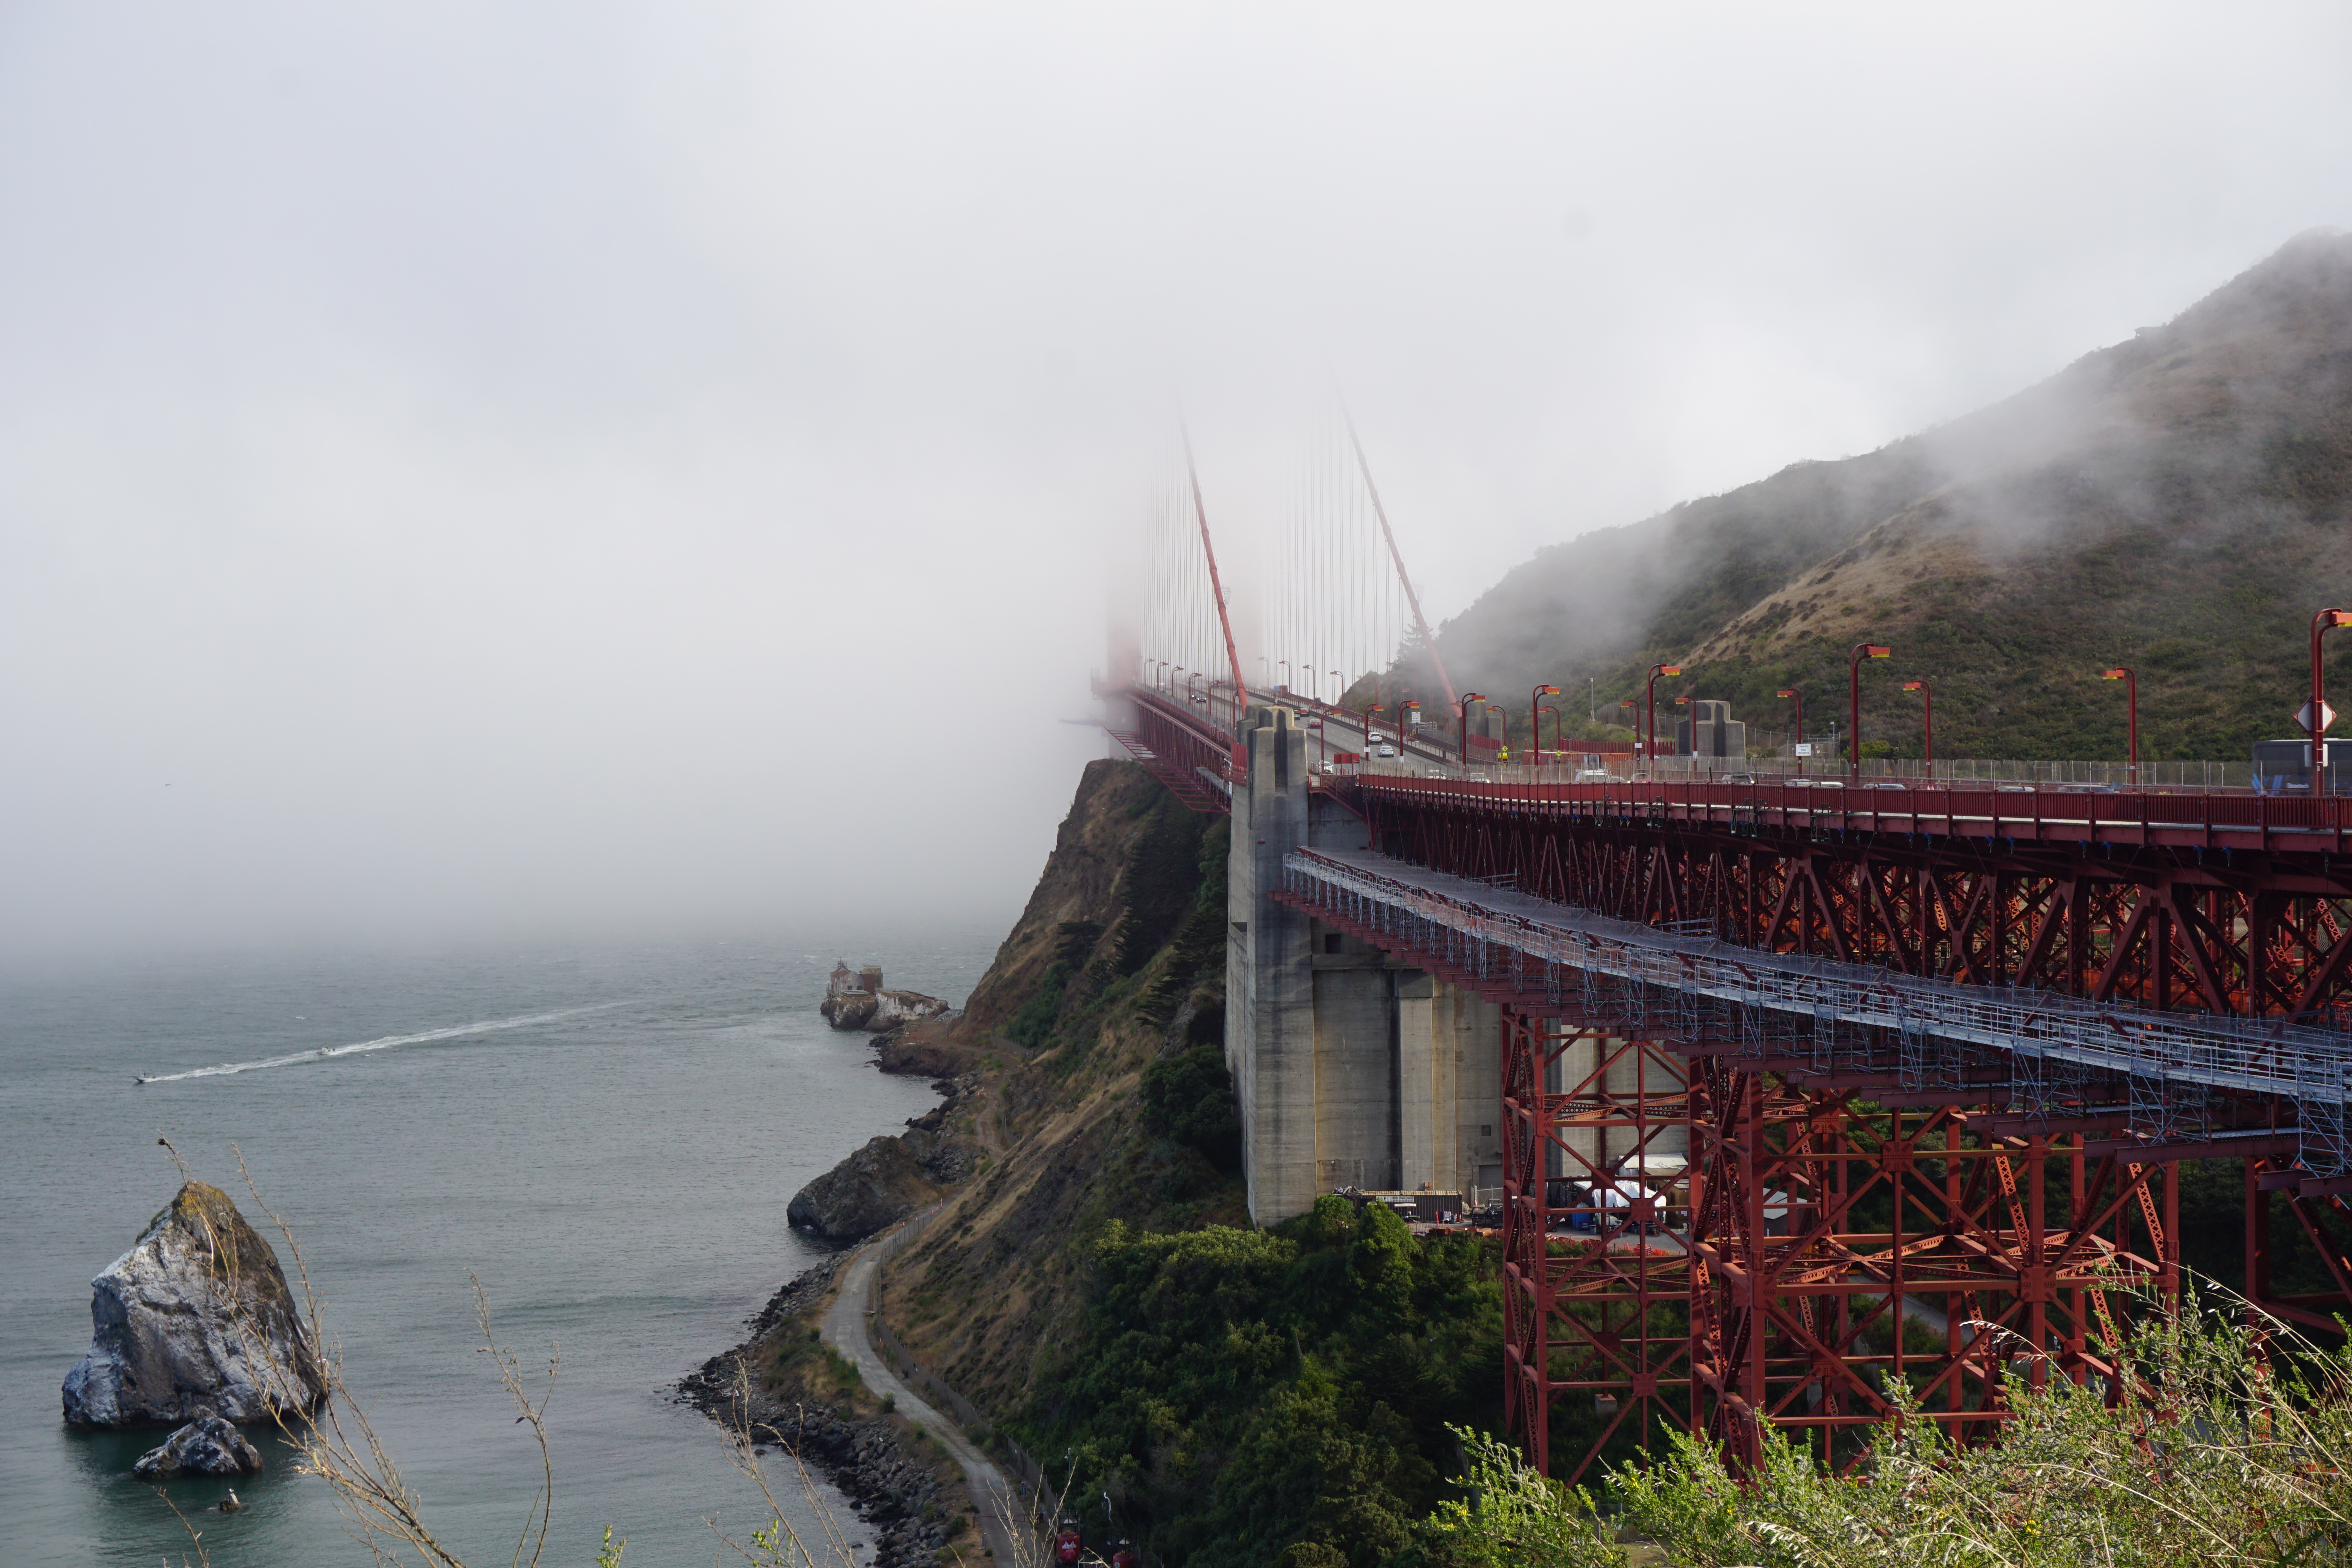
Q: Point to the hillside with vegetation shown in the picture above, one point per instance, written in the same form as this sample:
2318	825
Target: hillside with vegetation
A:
2180	503
1096	1288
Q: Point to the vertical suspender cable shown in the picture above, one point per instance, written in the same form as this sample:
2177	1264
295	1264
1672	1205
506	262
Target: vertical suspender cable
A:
1389	535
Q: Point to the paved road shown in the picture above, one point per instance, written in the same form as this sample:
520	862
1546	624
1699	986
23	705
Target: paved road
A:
845	1330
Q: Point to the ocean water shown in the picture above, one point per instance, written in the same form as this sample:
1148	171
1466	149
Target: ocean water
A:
606	1139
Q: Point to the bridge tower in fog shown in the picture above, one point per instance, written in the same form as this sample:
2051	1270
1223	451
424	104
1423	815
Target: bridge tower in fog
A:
1353	1070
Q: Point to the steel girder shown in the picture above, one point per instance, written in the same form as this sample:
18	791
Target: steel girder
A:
2170	929
1821	1221
1600	1310
1768	1287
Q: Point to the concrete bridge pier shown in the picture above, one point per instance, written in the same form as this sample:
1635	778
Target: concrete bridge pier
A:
1352	1070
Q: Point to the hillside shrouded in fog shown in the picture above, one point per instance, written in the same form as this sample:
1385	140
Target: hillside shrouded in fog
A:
2180	502
533	472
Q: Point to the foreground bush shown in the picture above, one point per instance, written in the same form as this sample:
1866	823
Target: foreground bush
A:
1515	1518
2222	1456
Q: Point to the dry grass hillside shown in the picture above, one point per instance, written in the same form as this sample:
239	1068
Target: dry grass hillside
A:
1117	963
2181	503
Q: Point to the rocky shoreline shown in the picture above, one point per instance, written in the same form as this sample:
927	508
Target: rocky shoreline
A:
897	1491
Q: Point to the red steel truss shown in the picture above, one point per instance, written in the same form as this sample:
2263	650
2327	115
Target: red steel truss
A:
1596	1301
1179	743
2125	906
1824	1208
1823	1220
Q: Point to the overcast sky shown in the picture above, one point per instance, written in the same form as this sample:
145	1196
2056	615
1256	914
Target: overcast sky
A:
536	472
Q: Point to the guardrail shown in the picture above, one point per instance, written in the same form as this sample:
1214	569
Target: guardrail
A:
1765	1001
1568	765
2213	820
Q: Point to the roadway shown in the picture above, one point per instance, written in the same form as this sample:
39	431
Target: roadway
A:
844	1329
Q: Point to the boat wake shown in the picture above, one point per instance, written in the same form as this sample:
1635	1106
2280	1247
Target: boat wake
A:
384	1043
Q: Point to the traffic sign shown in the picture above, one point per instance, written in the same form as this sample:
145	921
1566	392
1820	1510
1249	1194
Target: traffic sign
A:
2303	718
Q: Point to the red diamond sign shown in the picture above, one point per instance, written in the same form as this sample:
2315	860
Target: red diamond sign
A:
2303	718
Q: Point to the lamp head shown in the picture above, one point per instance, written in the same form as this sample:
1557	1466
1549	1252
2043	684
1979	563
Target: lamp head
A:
2338	617
2113	674
1670	669
1786	691
1549	690
1915	686
1415	703
1473	697
1679	702
1872	650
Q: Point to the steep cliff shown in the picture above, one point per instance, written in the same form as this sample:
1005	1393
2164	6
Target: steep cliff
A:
1116	966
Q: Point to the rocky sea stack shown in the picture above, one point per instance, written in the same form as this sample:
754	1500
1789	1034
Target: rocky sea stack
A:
194	1320
208	1446
857	1001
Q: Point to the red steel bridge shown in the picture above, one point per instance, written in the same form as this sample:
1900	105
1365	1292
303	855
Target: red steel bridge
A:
1935	1053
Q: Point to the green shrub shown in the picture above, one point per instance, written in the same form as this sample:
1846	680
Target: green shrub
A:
1517	1518
1242	1390
1190	1099
2227	1451
1035	1022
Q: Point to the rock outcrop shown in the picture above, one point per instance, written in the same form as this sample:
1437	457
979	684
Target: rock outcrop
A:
878	1010
879	1185
851	1010
208	1446
194	1320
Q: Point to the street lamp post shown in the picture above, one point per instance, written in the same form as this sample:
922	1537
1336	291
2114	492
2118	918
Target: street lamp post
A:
1284	665
1557	744
1927	693
1862	651
1467	699
2315	717
1535	717
2131	718
1650	747
1793	692
1369	711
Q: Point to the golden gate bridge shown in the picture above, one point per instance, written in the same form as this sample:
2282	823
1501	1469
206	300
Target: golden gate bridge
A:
1861	1051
